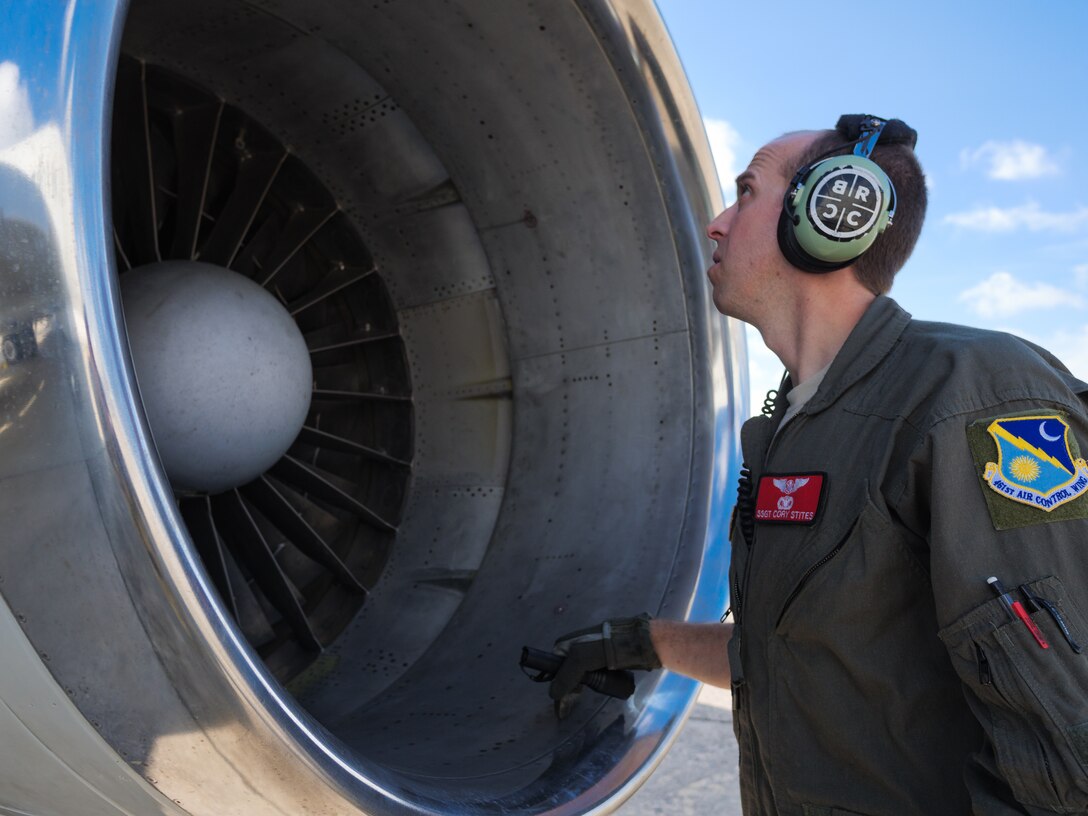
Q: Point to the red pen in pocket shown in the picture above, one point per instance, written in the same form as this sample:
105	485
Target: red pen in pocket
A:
1016	609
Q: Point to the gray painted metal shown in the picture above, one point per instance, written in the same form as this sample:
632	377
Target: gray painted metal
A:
531	180
223	370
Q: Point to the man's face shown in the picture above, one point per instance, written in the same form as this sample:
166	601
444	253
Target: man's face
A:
749	270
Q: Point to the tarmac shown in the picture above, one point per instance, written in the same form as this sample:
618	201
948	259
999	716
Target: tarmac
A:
698	777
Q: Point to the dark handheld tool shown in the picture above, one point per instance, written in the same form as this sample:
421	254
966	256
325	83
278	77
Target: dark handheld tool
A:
611	682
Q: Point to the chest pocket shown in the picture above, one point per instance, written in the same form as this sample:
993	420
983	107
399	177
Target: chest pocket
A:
855	582
815	567
1035	700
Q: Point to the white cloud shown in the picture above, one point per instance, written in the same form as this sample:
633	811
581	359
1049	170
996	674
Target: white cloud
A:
1026	216
1011	161
1002	295
1080	275
1071	347
16	116
724	144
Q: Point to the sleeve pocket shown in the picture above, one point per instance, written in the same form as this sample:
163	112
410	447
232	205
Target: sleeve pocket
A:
1034	701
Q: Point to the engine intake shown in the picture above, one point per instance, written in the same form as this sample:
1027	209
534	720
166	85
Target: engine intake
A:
485	222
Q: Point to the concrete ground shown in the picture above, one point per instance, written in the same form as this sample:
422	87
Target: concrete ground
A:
698	777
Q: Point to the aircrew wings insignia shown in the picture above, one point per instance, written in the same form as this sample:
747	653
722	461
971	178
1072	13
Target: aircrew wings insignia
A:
789	486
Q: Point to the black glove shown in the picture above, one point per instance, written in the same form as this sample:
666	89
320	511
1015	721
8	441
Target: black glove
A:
620	643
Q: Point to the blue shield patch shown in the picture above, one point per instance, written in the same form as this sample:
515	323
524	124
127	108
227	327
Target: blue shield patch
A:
1035	465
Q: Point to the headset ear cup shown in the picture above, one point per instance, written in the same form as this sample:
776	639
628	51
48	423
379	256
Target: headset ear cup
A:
815	242
795	254
786	241
787	218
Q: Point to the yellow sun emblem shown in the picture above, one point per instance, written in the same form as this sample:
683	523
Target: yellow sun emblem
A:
1024	469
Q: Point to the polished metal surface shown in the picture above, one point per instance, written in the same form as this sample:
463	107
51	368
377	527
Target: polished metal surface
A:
528	184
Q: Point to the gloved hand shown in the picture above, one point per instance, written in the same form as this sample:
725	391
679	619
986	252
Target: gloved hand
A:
620	643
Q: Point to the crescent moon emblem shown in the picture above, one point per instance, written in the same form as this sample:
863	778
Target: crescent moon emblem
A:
1045	435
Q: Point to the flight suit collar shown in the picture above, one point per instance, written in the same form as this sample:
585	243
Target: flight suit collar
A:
868	344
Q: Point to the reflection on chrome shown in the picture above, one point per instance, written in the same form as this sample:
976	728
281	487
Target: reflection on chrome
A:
16	116
484	224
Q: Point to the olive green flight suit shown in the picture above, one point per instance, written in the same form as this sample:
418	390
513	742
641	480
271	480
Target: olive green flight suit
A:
875	671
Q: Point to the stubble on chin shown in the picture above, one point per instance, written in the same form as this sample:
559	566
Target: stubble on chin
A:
729	306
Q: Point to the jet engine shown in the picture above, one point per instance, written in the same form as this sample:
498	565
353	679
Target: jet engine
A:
348	348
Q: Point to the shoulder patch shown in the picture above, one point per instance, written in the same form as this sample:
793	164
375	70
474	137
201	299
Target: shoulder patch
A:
1030	469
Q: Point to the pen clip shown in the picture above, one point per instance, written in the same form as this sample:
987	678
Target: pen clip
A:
1055	613
1031	600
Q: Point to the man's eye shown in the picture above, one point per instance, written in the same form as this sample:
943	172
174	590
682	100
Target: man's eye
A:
742	190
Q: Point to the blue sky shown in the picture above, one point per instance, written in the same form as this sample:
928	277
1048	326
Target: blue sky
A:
996	92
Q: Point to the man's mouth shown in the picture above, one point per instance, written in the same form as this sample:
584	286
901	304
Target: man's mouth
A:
717	258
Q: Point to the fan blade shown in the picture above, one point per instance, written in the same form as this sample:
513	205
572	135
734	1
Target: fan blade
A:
295	473
277	509
340	279
299	229
256	174
195	132
197	514
240	530
323	439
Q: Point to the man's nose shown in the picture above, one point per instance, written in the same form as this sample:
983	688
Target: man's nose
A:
719	227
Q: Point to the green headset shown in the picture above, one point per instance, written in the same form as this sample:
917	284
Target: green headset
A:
835	208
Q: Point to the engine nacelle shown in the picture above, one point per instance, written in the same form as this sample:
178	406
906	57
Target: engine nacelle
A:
486	222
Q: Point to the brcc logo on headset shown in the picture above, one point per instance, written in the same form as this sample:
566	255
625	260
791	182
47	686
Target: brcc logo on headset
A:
835	208
845	203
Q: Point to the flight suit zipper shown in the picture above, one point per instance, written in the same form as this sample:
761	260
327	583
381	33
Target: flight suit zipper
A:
1046	765
985	675
809	572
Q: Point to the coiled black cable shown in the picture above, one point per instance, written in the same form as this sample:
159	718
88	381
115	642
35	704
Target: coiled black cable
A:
746	504
768	403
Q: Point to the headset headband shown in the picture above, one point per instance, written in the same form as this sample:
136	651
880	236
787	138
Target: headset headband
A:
870	132
895	131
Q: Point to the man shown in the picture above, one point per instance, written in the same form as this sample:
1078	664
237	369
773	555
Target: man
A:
876	668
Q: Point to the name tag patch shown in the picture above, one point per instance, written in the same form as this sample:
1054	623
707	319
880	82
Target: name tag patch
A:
790	498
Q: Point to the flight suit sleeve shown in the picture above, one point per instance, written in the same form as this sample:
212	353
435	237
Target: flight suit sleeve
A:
995	496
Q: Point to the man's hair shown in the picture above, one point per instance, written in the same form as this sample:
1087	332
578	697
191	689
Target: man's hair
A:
876	269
